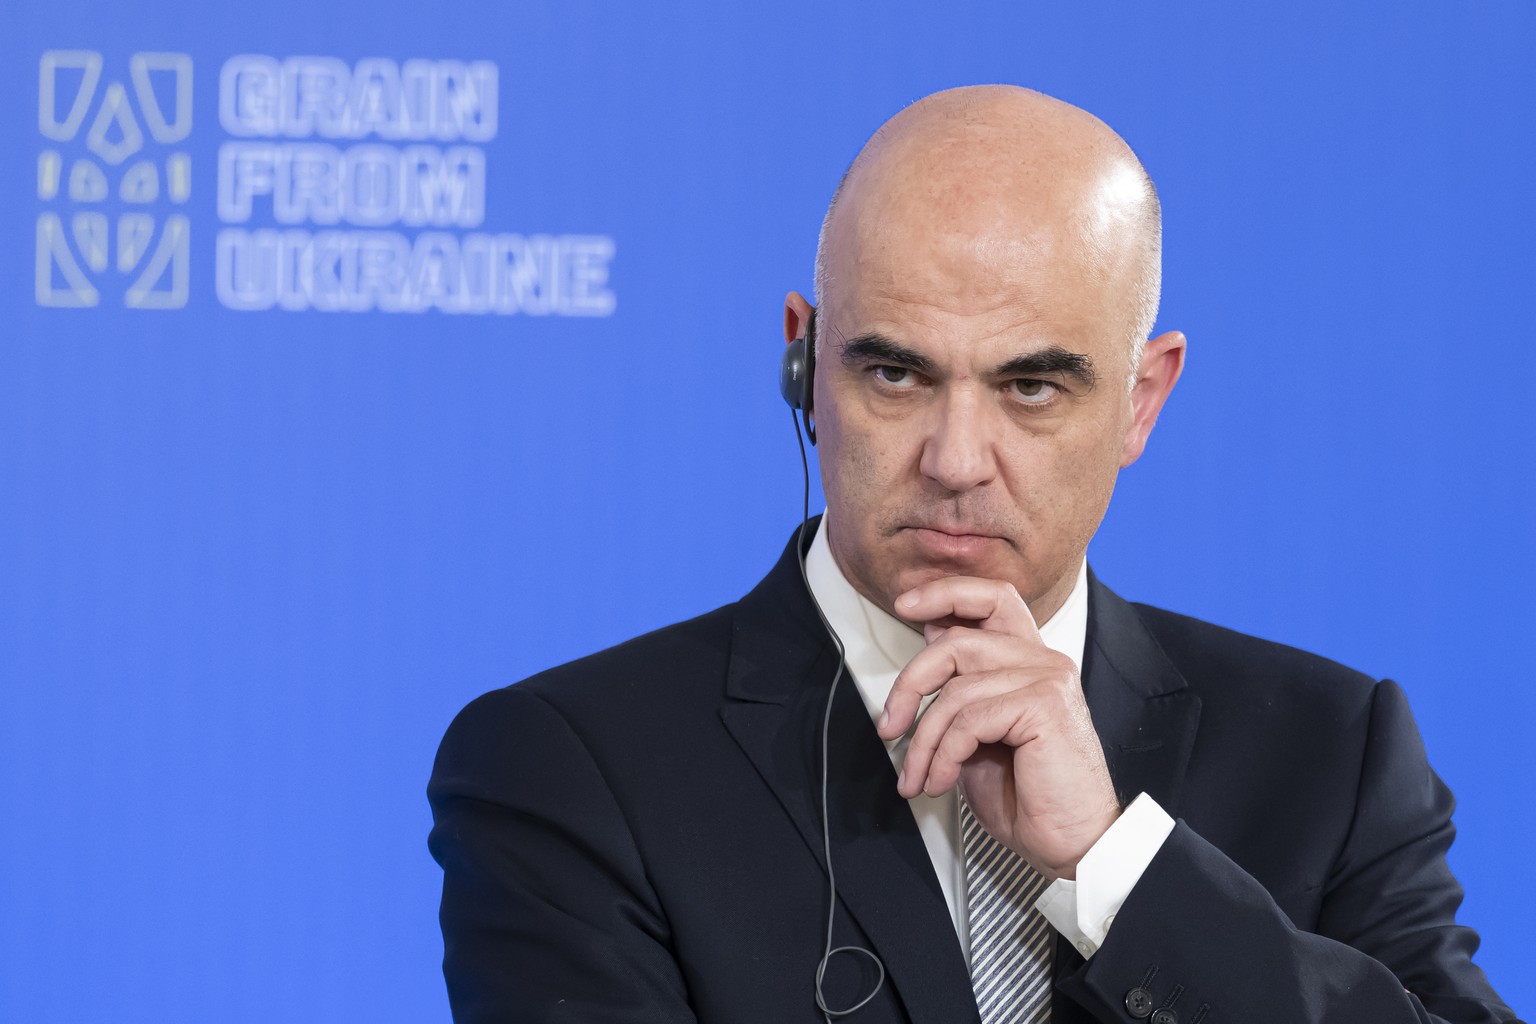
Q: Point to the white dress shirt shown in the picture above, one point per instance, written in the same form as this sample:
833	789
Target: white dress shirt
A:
878	647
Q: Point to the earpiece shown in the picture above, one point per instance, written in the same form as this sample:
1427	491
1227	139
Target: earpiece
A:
797	374
797	370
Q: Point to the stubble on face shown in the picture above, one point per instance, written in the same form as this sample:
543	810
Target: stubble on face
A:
964	237
1042	509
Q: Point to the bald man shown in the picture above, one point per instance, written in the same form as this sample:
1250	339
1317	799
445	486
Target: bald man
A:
1029	800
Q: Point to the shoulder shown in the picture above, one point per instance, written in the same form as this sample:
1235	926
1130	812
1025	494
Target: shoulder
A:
1222	662
659	668
692	651
592	710
636	703
1195	641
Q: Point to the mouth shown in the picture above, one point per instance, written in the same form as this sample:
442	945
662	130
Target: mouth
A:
953	543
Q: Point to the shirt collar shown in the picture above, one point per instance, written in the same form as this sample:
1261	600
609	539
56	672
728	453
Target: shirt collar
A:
878	645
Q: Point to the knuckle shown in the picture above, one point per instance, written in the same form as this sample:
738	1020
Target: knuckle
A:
970	717
1062	674
954	750
922	741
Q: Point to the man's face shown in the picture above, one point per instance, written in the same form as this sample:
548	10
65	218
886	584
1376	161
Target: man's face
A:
972	406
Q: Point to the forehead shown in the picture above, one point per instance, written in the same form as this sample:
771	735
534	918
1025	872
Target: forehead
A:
958	294
984	225
947	257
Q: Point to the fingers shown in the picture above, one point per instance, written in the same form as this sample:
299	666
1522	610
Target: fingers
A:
991	604
951	731
1007	713
991	688
955	651
987	672
926	673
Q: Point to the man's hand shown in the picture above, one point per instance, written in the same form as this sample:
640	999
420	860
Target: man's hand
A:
1009	723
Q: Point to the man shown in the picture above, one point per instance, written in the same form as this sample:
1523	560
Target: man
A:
639	836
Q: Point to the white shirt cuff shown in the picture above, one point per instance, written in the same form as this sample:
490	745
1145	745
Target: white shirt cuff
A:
1083	910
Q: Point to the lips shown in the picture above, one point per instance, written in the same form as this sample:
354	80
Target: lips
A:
954	543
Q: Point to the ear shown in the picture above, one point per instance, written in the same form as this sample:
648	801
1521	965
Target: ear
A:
1161	363
797	316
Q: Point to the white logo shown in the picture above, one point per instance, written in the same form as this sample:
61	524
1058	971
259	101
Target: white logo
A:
347	188
124	164
340	188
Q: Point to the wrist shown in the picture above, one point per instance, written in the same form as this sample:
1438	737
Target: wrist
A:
1086	837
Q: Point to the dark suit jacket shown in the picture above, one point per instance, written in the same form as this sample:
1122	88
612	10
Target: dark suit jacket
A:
636	836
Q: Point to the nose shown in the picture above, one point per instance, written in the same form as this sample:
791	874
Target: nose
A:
959	452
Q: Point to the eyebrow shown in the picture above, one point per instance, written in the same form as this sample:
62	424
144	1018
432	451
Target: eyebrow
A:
1054	359
877	348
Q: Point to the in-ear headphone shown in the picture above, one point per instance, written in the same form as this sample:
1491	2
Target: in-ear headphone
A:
797	374
797	370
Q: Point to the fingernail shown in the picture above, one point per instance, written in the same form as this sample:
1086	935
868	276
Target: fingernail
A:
908	600
901	778
885	716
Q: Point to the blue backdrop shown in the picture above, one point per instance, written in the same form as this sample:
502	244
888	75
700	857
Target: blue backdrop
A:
356	358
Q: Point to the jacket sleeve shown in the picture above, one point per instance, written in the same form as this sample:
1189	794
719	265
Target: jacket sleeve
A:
1200	938
546	914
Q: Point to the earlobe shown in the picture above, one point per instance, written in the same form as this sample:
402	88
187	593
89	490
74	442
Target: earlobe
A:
1161	364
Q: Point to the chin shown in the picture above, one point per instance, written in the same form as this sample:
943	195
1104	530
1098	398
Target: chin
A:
908	578
904	579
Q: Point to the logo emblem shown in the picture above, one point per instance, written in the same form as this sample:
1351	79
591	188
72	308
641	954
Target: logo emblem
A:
113	182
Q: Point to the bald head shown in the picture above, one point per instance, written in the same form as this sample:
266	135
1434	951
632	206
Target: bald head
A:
1002	176
987	278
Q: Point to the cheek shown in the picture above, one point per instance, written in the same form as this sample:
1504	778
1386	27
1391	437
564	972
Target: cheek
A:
1067	480
853	474
1097	469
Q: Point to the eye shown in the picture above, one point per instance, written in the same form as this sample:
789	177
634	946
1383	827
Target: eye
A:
1029	391
897	377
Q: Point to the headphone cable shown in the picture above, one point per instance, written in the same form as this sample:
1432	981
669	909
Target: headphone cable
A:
828	1013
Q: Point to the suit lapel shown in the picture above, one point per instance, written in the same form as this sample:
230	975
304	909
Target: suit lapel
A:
1146	717
1144	711
781	667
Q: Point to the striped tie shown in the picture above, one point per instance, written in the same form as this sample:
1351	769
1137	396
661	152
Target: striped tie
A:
1012	946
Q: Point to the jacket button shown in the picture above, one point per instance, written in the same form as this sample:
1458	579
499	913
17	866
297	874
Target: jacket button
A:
1165	1017
1138	1003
